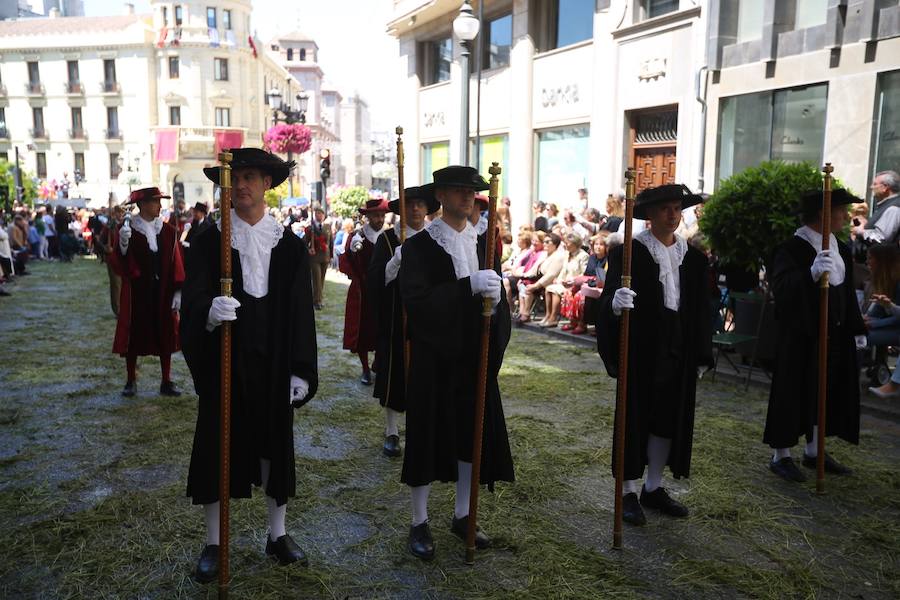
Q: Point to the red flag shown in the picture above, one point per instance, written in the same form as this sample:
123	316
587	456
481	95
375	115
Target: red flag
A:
166	148
252	45
228	138
163	33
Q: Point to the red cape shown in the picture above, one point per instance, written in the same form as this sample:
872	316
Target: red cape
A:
360	325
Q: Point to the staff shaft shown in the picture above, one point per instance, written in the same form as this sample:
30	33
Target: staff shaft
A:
401	159
225	382
823	333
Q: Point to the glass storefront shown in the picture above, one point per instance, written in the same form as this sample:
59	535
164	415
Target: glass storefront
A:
887	124
786	125
434	156
494	148
562	164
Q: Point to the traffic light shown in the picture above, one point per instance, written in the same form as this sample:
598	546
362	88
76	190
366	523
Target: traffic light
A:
325	164
4	197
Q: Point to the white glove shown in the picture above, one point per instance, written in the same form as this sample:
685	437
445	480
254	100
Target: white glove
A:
356	244
822	263
392	267
124	237
299	389
622	299
487	283
861	342
176	300
223	308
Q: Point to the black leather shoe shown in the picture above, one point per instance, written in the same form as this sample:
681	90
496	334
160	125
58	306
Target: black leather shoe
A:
831	466
129	390
167	388
786	468
459	528
391	447
661	501
421	544
285	550
208	565
366	378
632	513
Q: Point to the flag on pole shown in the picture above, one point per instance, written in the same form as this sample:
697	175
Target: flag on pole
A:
165	150
252	46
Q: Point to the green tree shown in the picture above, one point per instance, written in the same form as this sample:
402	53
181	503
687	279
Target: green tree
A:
8	179
276	195
757	209
347	201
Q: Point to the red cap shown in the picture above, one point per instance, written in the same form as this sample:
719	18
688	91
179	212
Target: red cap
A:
151	193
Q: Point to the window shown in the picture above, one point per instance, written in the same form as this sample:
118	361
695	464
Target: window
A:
226	18
165	16
174	115
497	42
34	74
109	75
438	56
290	54
434	156
786	125
211	17
178	16
265	93
810	13
114	168
220	69
37	116
79	166
4	156
656	8
77	122
750	20
72	69
173	67
562	161
223	117
4	132
112	122
564	22
41	165
303	54
494	148
887	123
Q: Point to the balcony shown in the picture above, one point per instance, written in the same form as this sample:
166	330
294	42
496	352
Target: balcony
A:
110	87
38	133
2	91
74	88
78	134
34	88
113	134
4	133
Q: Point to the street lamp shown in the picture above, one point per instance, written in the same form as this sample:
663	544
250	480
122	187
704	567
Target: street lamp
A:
466	27
282	112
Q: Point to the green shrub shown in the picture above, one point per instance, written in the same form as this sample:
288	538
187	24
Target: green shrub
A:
755	210
347	201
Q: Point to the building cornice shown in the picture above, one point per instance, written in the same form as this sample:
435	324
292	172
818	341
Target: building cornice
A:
668	21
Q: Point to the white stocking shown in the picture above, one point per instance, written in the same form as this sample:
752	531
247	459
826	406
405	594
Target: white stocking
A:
463	488
419	503
657	456
275	514
630	486
812	448
781	453
211	514
391	422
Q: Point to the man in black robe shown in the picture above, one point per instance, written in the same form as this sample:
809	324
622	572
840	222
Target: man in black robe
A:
273	354
670	338
390	378
793	399
443	281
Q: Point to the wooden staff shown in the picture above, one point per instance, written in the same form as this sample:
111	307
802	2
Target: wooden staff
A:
402	203
823	332
225	382
622	380
487	311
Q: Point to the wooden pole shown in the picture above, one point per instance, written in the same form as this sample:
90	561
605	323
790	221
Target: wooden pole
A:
402	202
481	390
622	380
225	382
823	332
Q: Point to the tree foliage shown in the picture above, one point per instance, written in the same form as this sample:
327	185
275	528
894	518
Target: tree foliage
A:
8	178
276	195
347	201
757	209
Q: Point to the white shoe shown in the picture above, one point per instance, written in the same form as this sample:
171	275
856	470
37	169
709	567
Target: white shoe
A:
884	395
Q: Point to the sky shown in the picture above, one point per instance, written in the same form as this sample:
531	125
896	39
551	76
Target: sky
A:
354	51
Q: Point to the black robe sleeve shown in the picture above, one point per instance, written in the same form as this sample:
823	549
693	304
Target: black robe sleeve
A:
608	323
375	274
199	289
303	338
793	289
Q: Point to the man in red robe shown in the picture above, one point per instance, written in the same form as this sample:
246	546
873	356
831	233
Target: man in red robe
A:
147	257
360	324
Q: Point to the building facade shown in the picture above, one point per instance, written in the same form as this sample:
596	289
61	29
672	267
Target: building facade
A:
356	143
575	91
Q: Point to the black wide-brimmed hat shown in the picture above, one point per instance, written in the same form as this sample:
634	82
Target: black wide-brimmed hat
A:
664	193
459	176
245	158
201	206
150	193
424	193
812	200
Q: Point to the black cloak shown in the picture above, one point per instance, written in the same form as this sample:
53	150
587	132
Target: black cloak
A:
262	418
444	328
390	379
793	398
694	348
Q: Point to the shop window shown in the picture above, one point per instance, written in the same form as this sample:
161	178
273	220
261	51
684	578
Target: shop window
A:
562	163
494	148
750	20
786	125
497	42
437	56
434	156
887	123
810	13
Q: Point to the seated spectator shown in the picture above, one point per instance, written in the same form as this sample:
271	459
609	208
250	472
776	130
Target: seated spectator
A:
546	274
18	243
513	268
892	388
883	328
507	246
615	212
530	270
575	263
6	263
540	217
577	305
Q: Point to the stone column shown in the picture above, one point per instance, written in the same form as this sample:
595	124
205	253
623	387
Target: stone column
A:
520	173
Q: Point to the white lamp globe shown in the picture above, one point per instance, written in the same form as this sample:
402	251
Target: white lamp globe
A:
465	25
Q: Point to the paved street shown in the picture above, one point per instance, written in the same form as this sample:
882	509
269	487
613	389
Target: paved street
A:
92	485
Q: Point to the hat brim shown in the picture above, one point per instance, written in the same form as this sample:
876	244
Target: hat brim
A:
278	173
130	201
640	210
812	200
426	195
377	209
478	187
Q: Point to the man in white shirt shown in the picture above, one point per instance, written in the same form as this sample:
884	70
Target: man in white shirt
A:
884	225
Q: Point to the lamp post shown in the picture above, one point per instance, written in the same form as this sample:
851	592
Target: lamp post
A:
466	27
282	112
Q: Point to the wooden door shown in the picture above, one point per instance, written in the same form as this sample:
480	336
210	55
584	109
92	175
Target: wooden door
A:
654	166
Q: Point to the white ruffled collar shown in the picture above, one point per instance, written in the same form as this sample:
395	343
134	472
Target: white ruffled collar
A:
462	246
669	259
814	239
481	226
254	244
409	230
370	233
149	229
